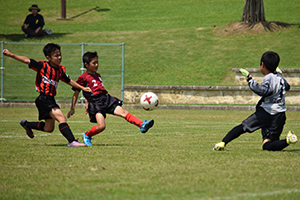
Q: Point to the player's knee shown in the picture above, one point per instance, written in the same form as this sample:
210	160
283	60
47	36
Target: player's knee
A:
119	111
49	129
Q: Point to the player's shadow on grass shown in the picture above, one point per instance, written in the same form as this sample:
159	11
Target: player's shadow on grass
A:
298	24
57	145
97	8
291	150
21	37
110	145
102	145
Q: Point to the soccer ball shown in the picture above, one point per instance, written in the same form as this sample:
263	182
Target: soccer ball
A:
149	101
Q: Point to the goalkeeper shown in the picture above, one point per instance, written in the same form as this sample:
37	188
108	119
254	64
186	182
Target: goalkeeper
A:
270	110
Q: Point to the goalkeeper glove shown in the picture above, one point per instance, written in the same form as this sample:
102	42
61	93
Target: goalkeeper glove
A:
278	71
246	73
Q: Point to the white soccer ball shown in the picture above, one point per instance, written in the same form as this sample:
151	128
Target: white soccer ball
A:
149	101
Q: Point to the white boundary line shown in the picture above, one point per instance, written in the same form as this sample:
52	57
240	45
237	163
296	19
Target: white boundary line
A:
38	135
259	194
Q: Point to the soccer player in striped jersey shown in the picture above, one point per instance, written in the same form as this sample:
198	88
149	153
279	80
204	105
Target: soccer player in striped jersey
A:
48	75
100	102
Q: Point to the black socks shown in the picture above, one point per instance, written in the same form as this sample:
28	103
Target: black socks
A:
277	145
234	133
66	131
36	125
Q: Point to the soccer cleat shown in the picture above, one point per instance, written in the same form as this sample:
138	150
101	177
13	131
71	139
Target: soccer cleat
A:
28	130
291	138
219	146
86	139
76	144
48	31
146	125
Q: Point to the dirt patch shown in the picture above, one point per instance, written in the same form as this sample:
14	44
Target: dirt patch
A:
239	28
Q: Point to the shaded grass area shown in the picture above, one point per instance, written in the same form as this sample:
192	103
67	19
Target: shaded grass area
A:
174	160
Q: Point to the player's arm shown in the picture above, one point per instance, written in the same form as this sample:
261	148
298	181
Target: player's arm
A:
22	59
287	85
76	85
74	100
87	106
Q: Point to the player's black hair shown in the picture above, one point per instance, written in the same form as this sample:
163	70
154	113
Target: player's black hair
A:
270	60
49	48
88	57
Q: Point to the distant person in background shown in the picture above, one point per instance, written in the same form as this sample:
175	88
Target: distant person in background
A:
33	24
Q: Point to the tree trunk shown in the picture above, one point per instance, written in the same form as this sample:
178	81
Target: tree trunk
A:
253	12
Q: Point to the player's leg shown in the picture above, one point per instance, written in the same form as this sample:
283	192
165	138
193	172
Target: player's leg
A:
271	135
277	145
28	126
272	143
87	136
39	125
42	103
253	122
119	111
49	125
64	128
144	126
231	135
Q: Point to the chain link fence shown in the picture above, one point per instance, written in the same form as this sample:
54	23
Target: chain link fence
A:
18	81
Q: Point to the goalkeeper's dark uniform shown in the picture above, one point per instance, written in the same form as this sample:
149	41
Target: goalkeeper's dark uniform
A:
269	114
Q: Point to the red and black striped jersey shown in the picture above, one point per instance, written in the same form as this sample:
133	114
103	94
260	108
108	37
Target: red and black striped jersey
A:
92	81
47	76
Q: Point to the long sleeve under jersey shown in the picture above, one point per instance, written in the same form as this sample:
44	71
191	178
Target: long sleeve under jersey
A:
272	91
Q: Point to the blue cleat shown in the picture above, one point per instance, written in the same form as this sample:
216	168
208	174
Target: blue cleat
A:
146	125
86	139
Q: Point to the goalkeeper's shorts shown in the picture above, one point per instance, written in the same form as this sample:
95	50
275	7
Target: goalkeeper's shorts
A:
271	125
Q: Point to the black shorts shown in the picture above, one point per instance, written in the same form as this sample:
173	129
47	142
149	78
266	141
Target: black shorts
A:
103	103
271	125
45	104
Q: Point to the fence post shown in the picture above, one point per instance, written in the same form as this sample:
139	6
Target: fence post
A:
111	69
82	99
123	69
2	72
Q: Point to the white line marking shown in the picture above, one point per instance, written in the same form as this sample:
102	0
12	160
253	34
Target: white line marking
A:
262	194
37	135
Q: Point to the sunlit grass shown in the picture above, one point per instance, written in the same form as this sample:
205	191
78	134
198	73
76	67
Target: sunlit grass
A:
174	160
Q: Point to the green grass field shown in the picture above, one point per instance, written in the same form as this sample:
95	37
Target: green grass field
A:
174	160
168	42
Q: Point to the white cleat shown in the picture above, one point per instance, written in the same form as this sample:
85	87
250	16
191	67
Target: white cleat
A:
291	138
219	146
